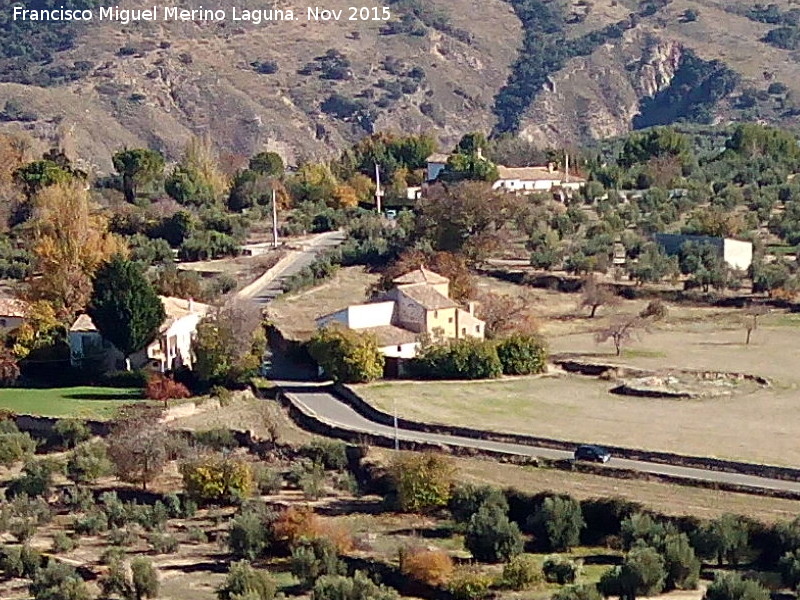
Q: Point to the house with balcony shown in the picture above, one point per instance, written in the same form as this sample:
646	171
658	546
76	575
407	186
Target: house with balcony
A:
170	350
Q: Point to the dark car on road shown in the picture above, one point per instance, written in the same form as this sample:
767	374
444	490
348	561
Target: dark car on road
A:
592	453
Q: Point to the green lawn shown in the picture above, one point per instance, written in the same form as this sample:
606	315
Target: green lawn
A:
85	402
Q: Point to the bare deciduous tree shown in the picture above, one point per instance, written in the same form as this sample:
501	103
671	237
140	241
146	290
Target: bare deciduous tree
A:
621	330
138	447
504	313
594	295
750	319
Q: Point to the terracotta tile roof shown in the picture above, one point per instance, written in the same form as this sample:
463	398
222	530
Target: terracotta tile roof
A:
390	335
175	308
13	307
421	275
535	174
427	297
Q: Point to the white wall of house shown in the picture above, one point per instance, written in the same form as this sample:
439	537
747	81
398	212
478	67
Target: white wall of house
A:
401	350
360	316
737	254
173	346
523	185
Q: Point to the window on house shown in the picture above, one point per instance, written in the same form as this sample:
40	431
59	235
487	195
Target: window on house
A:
3	322
450	320
399	348
464	331
436	314
477	328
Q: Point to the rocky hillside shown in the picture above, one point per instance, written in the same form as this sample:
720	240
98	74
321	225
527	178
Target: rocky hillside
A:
557	72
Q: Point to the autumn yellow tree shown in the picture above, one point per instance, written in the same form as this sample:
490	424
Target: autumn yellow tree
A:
69	241
344	197
201	158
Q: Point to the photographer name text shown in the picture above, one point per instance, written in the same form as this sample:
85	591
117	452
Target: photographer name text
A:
126	16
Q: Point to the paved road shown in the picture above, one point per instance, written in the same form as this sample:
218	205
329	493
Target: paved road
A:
327	406
270	285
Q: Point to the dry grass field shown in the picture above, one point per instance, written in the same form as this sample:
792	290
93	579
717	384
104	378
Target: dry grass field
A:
751	423
296	312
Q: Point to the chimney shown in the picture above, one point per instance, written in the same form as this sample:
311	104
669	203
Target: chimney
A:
191	305
551	167
471	308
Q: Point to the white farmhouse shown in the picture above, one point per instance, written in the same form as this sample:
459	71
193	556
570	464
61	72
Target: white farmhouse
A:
737	254
419	305
527	180
171	349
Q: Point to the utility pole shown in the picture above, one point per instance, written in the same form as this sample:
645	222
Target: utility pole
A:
378	190
566	167
274	220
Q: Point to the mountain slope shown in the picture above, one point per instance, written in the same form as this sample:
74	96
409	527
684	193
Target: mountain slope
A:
308	89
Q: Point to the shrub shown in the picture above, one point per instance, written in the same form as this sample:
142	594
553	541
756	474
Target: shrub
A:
114	509
468	585
312	482
217	479
88	462
36	479
162	543
62	542
243	581
295	523
467	499
68	433
491	537
217	439
346	355
680	562
144	578
468	358
197	535
266	479
115	581
58	581
559	521
422	481
163	388
172	503
434	567
642	527
331	454
522	355
20	561
731	586
248	537
358	587
113	555
560	570
121	536
15	446
522	572
313	558
93	523
577	592
641	574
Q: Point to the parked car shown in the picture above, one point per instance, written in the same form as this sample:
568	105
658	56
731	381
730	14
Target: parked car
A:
592	453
